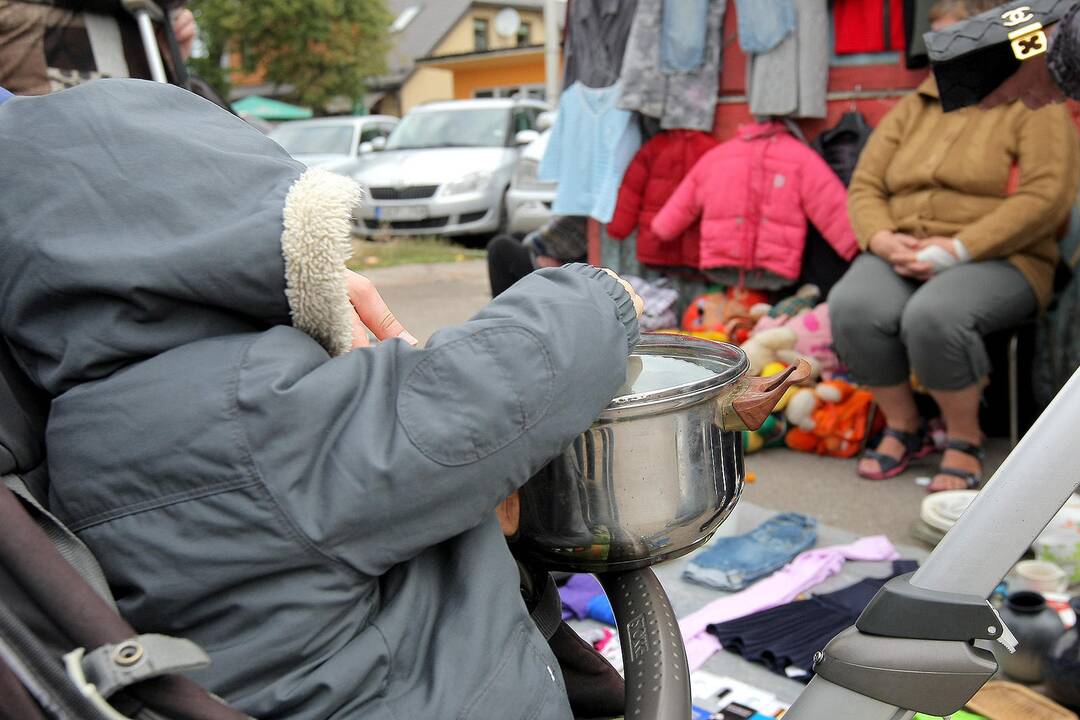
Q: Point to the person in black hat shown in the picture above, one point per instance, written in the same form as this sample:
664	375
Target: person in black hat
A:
560	241
1048	78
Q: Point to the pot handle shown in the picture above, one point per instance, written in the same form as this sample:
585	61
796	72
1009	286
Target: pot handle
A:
749	406
657	675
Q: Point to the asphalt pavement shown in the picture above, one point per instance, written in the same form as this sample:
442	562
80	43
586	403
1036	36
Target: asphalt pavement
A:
428	297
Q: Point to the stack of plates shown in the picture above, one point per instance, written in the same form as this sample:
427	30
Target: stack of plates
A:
939	513
941	510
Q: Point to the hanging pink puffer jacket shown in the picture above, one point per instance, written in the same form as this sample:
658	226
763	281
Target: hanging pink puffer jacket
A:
754	195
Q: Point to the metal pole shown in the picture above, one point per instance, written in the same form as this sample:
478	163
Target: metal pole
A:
1021	498
149	40
552	74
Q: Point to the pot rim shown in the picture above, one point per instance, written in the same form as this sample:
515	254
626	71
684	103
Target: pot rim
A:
729	363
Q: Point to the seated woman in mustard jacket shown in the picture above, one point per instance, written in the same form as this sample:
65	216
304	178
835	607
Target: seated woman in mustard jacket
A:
958	212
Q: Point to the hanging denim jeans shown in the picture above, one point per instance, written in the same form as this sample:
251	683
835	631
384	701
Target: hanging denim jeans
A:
732	563
763	24
683	28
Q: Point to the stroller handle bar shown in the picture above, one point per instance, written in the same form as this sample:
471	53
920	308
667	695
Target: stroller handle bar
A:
1022	497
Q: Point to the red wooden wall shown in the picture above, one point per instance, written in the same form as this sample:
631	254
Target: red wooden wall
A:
876	88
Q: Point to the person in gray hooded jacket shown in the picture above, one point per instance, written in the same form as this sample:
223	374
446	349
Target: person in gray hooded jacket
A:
320	520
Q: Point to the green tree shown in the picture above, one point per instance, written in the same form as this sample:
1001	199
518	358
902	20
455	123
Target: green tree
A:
322	49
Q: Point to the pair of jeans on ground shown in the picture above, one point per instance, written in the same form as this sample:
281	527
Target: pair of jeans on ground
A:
732	563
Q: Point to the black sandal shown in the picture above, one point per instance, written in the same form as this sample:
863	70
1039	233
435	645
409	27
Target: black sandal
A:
915	446
971	480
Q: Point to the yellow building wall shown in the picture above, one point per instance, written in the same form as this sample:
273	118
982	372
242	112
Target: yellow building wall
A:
466	82
426	85
460	38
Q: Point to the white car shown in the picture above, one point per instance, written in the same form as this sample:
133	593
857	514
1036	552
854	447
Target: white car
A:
529	199
446	168
336	144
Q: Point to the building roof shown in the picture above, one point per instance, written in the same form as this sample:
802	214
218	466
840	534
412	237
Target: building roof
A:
424	32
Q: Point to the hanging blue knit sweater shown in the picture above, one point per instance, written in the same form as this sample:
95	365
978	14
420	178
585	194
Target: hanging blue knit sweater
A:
590	147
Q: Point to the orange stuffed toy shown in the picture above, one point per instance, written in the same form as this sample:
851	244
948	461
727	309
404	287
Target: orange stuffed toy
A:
837	424
725	312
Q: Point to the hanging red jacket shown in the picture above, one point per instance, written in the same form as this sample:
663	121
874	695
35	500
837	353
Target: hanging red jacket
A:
651	179
866	26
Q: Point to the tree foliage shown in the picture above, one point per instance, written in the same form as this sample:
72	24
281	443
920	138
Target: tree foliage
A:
319	49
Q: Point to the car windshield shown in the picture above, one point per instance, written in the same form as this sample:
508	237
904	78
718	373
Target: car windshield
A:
477	127
314	139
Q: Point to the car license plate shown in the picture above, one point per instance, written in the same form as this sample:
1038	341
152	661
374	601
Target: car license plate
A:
400	212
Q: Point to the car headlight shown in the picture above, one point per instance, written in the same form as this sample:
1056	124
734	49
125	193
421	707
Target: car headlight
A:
470	183
525	174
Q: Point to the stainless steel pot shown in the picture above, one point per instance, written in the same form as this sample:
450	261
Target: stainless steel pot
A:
661	467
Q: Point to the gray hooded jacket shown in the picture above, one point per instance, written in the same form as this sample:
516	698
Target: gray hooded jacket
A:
319	520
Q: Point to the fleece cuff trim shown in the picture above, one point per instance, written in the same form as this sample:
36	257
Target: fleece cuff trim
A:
316	242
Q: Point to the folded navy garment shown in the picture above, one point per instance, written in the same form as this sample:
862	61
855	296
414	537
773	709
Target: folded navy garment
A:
785	638
732	563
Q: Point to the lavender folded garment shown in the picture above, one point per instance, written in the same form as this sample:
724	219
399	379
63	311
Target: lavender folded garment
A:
583	597
733	563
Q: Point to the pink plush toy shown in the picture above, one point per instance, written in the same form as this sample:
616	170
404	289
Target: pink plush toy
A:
815	338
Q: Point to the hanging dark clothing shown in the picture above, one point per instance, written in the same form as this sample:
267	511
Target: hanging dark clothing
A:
868	26
596	34
916	24
790	635
841	144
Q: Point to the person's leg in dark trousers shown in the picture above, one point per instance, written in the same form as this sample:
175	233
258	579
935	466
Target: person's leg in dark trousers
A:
508	261
865	308
943	328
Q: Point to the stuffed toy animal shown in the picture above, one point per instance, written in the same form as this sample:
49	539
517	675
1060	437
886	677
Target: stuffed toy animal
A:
805	298
837	422
776	346
766	346
770	434
814	339
715	311
809	335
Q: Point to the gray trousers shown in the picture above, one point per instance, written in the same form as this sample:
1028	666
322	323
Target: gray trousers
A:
885	325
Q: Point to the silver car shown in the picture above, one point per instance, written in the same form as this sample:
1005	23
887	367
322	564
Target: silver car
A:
529	199
446	168
333	143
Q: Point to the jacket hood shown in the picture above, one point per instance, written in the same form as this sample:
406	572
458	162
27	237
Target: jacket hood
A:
136	217
753	131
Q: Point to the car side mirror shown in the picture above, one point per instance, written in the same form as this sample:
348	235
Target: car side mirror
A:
545	120
524	137
378	144
365	148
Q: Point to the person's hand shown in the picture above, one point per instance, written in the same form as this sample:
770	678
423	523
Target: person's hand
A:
371	313
917	269
639	304
914	269
1032	84
900	250
893	247
947	244
509	514
183	25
